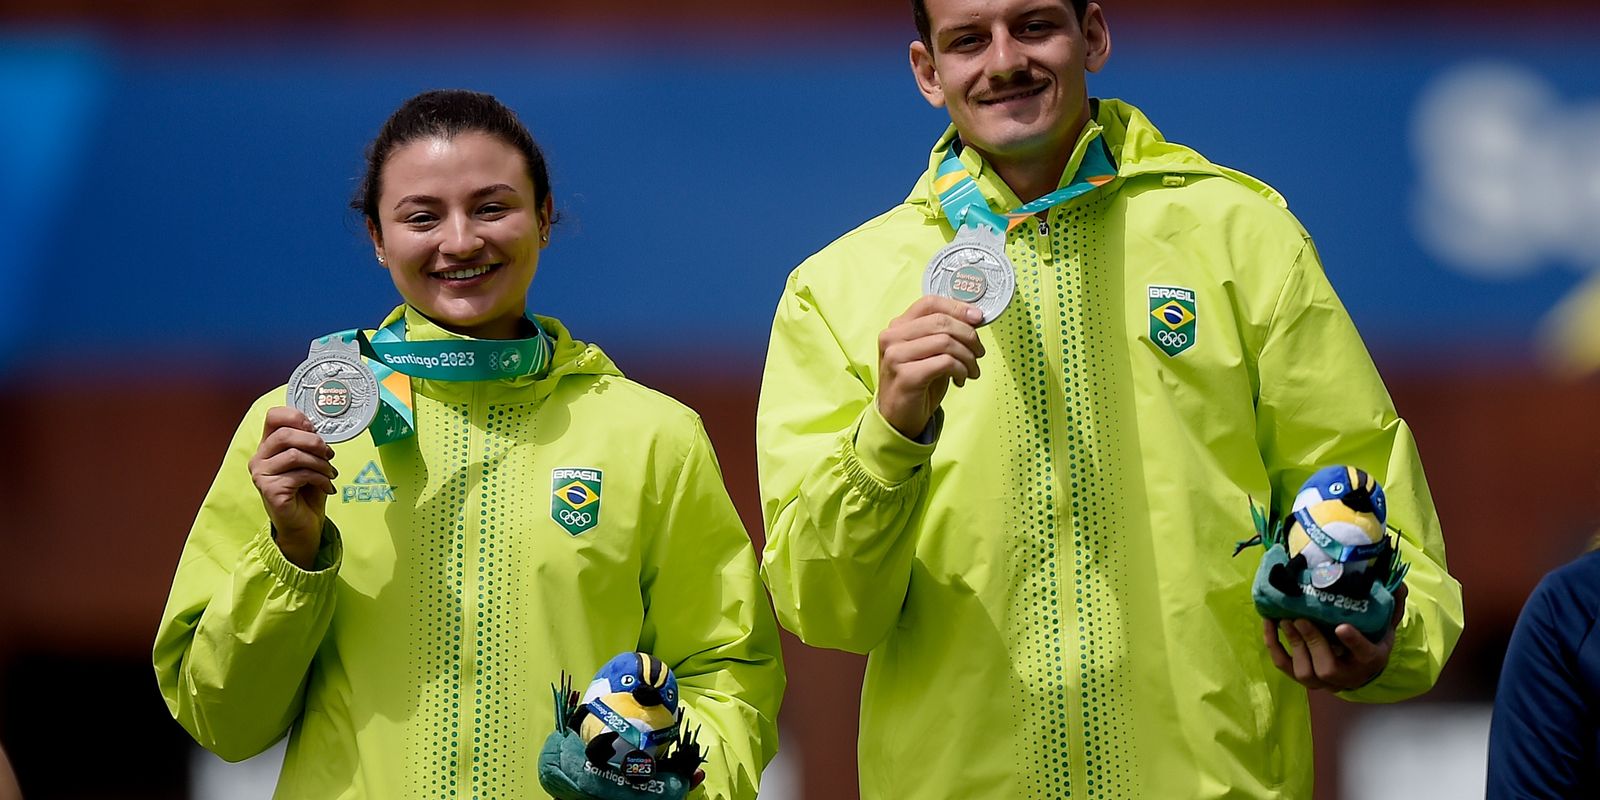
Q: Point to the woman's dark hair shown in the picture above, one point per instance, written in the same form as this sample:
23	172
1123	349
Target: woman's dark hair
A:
445	113
919	14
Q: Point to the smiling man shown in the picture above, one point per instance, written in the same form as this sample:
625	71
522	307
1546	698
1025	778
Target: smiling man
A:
1010	430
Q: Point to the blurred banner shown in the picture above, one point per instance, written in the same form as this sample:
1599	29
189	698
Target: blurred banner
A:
195	190
175	179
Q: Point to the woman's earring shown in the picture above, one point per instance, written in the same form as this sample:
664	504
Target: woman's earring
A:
381	261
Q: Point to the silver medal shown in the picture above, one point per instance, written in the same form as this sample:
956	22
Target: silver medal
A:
336	389
973	269
1326	574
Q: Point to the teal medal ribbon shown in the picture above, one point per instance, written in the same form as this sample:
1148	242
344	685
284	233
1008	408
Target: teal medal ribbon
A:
964	204
1336	550
973	268
640	740
459	359
394	361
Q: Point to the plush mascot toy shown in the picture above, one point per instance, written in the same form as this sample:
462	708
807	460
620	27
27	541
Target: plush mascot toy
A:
1332	560
620	740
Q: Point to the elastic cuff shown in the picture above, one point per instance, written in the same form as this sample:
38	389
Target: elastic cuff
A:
329	556
887	453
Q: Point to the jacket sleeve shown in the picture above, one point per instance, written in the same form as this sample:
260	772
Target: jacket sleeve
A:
1321	403
705	615
841	489
1541	735
242	623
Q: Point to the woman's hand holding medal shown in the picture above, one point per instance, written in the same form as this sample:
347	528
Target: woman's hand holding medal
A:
293	472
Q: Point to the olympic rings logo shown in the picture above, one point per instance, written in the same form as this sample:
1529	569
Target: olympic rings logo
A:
576	517
1172	338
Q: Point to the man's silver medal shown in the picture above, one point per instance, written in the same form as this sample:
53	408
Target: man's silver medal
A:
1326	574
973	269
336	389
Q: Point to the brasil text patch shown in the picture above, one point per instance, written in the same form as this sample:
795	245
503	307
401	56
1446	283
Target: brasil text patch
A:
1173	318
575	498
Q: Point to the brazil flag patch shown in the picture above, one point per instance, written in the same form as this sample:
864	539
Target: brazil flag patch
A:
1172	318
575	498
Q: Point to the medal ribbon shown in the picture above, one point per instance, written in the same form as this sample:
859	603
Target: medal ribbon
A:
964	203
641	740
395	361
459	359
1338	551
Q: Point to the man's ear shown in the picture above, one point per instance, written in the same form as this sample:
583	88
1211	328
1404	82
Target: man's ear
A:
1098	38
927	74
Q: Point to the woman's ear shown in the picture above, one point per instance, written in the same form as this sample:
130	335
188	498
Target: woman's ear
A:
377	243
547	213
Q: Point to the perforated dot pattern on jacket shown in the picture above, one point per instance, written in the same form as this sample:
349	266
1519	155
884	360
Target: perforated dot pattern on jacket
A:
1064	426
437	581
1034	612
472	710
1092	346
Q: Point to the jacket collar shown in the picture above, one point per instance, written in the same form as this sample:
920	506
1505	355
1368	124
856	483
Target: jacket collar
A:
1137	148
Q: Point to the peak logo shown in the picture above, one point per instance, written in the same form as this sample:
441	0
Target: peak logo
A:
369	486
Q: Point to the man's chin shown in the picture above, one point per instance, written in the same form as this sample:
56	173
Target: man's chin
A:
1015	143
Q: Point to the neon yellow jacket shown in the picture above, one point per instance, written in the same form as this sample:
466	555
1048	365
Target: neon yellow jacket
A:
1047	593
418	661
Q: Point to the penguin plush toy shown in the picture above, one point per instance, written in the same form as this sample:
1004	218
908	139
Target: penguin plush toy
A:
1332	560
620	739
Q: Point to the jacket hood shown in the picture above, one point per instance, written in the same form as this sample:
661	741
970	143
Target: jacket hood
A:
1137	148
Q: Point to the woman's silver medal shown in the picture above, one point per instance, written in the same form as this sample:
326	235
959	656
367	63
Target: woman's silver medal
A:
335	389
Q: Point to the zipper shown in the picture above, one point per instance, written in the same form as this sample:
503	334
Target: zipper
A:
1046	247
1064	535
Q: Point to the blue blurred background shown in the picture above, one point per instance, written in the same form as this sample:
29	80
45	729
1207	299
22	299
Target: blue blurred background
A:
174	184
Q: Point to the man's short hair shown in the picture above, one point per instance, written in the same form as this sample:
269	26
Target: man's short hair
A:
919	13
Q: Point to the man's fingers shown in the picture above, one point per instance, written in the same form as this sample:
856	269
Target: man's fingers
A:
1361	649
920	353
928	348
1280	657
939	327
1304	670
923	372
1323	660
934	304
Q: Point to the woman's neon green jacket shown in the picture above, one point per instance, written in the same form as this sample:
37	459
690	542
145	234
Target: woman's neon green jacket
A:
418	661
1048	593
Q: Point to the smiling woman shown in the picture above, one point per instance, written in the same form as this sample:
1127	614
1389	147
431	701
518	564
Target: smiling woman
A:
407	649
457	202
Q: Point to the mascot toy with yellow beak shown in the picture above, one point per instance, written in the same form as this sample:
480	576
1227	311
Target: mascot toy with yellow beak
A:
622	738
1333	559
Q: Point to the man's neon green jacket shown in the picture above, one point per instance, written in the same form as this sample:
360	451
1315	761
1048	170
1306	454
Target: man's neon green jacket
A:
418	660
1047	592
